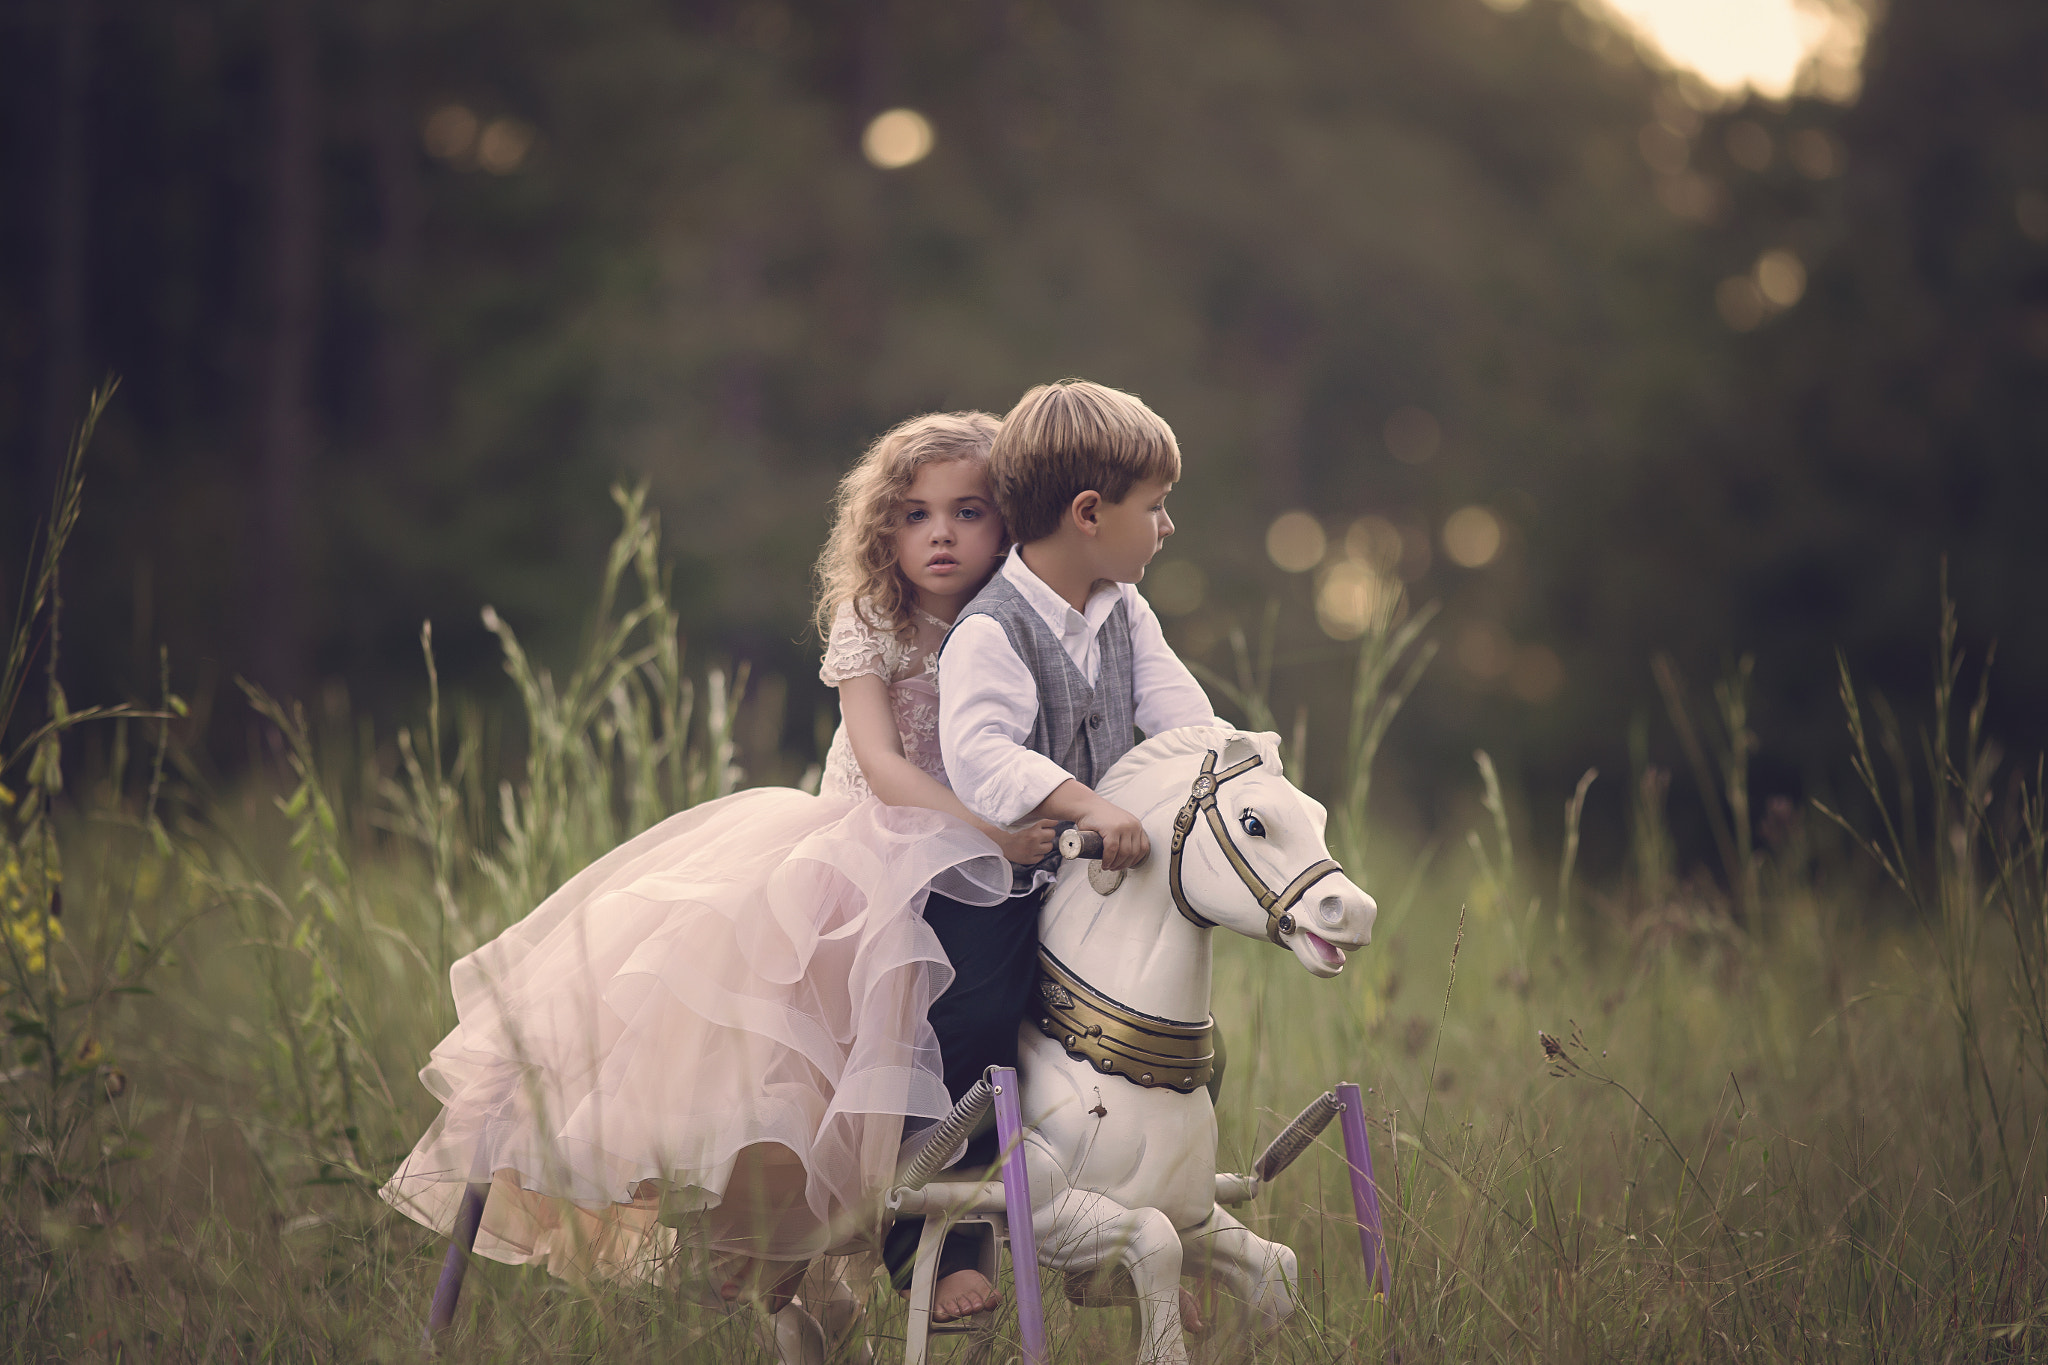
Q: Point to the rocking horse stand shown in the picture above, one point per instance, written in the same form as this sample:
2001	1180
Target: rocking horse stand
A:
1002	1209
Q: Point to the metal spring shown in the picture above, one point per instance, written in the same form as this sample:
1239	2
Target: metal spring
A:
936	1143
1296	1137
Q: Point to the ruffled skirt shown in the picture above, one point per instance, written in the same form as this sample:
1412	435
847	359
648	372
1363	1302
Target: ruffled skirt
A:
718	1026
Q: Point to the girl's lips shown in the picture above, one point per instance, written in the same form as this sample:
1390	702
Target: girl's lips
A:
942	562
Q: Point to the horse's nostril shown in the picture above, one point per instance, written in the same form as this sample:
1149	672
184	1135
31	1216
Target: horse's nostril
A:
1330	910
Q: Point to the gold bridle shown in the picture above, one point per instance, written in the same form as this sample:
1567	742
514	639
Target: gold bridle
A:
1278	905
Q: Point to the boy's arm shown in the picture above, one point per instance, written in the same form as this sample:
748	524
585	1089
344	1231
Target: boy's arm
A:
988	701
1124	841
1168	696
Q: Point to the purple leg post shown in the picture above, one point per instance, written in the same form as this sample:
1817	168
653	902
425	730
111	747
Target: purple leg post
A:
1365	1192
468	1216
1017	1200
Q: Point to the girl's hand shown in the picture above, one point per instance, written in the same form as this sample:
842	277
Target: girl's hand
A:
1027	845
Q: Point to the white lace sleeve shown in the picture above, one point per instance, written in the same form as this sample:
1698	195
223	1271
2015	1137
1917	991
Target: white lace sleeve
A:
856	648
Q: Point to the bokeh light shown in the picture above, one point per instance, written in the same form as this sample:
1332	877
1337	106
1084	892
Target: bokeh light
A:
1176	587
1775	283
1295	542
1348	596
1374	542
897	138
1412	435
449	132
1472	537
1815	153
1780	278
503	145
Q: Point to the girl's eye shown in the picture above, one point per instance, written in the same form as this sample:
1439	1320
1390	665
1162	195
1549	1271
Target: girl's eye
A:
969	514
1252	825
915	515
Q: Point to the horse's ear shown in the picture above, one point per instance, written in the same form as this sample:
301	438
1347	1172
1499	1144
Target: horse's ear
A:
1242	746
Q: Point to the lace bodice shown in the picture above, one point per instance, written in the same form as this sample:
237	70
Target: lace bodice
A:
911	669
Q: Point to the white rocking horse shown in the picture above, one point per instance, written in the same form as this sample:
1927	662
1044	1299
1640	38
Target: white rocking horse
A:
1118	1131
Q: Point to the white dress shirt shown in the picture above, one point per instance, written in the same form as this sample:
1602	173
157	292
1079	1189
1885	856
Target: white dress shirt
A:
988	699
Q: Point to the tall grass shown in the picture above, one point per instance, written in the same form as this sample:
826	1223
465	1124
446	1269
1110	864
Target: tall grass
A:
1790	1111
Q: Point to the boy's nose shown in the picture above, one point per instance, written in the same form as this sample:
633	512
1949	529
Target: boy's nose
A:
1165	525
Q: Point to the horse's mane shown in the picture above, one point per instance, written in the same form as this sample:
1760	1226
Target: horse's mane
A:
1185	742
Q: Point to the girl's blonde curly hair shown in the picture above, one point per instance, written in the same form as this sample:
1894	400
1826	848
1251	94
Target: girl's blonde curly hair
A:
858	564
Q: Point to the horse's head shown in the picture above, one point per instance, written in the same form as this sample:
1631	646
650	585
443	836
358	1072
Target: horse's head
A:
1242	847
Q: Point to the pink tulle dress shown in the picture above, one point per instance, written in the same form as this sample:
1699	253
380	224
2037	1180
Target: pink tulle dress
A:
715	1031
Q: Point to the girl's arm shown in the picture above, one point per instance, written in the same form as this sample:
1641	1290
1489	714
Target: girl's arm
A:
871	729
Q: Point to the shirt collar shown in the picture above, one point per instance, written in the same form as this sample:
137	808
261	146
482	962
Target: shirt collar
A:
1053	608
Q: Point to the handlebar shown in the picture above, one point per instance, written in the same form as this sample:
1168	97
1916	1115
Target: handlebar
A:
1075	842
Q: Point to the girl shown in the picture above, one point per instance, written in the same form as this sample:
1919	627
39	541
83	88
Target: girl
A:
721	1023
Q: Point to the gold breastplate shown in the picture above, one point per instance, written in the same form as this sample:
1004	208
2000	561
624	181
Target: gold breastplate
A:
1118	1040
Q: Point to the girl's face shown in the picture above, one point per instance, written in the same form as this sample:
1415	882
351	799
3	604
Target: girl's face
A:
950	535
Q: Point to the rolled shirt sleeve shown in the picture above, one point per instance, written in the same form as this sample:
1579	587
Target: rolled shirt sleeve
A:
988	702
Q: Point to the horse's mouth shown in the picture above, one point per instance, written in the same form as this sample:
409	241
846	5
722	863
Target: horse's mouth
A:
1326	952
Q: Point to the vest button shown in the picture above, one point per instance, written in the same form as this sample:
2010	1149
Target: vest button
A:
1095	722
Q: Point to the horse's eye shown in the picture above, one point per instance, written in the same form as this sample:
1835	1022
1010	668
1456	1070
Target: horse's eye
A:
1251	824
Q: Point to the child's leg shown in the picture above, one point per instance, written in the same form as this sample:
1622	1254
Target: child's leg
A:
994	953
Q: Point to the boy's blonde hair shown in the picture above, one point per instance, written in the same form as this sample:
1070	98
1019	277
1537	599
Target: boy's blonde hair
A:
858	564
1062	440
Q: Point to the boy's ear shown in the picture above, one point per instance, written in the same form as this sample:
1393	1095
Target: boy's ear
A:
1086	510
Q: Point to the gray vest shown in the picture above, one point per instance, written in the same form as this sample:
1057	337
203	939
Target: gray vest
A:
1084	728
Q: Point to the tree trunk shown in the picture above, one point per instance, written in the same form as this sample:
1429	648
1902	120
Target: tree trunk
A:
395	154
294	287
64	390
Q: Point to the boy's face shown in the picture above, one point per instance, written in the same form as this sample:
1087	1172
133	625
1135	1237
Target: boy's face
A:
1130	532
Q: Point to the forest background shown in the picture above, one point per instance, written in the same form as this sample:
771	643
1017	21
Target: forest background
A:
397	291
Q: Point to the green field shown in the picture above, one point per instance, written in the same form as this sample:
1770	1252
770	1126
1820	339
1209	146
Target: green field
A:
1792	1107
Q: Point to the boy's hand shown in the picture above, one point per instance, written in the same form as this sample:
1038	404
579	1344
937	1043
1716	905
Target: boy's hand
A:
1027	845
1124	841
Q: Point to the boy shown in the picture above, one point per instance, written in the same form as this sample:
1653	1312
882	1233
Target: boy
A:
1041	682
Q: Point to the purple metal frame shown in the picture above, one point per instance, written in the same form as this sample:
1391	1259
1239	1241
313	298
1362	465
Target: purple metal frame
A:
1365	1193
469	1215
1017	1204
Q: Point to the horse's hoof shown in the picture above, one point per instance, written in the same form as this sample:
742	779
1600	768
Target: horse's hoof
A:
793	1335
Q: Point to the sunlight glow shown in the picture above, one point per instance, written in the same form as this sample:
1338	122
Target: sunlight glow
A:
1770	46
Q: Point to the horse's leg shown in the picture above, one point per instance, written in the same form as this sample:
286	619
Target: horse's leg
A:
837	1308
1078	1230
1258	1275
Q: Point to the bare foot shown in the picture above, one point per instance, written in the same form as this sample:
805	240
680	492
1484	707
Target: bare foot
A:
1191	1320
962	1294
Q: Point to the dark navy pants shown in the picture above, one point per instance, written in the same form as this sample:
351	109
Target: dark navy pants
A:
994	952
